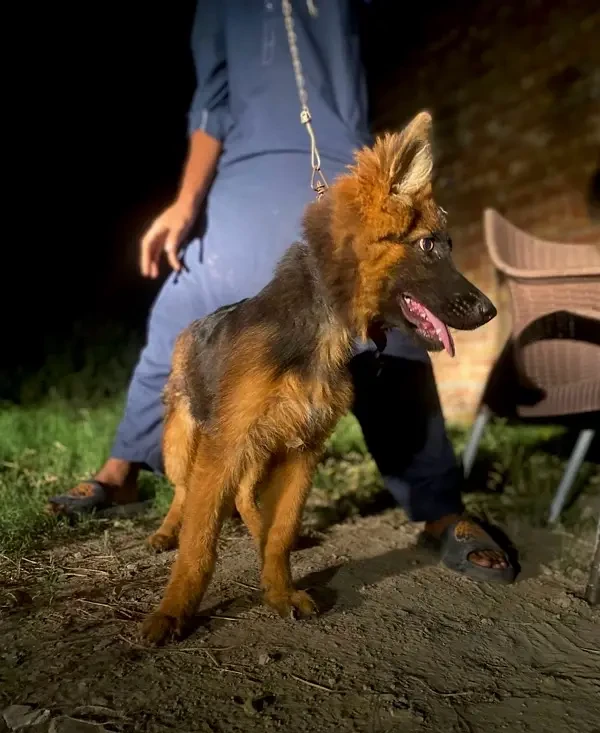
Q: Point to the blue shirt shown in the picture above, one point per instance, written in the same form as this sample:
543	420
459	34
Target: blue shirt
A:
246	93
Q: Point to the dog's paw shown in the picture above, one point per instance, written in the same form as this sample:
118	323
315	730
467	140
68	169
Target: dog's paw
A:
160	542
294	604
158	628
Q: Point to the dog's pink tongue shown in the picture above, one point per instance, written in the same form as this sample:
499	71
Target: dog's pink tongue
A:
442	331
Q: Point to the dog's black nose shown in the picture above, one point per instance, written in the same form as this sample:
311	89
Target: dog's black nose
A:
486	310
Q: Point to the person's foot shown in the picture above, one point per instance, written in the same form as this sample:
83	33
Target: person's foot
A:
115	483
467	548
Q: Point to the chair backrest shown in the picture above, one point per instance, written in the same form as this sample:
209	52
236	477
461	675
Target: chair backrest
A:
546	278
520	255
542	276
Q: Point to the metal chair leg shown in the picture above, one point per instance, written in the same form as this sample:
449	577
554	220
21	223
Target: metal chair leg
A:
562	492
591	591
468	458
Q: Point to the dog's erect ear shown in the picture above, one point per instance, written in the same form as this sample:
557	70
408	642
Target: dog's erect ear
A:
412	163
398	166
419	128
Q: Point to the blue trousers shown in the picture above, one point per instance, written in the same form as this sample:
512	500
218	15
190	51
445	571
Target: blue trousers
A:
252	215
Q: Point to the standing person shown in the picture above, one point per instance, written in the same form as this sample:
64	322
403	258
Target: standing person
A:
239	206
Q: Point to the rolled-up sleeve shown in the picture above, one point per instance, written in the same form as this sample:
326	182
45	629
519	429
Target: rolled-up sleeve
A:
209	110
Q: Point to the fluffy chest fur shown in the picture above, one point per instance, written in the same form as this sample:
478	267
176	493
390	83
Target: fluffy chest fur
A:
271	368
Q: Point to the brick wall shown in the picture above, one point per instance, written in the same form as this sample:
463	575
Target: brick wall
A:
515	93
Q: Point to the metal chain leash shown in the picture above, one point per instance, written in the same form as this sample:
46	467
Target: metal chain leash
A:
318	181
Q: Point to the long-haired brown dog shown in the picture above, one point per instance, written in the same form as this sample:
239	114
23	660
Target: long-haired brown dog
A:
257	387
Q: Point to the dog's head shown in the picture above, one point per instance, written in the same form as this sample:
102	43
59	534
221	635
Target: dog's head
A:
389	243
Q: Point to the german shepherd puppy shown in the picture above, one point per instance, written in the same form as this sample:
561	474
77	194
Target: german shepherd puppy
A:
257	387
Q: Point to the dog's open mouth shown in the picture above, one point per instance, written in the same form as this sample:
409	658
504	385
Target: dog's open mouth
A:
427	326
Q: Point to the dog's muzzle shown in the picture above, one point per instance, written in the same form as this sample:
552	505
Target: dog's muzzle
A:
467	311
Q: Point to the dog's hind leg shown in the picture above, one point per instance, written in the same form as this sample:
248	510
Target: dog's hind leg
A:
282	501
245	503
180	434
165	537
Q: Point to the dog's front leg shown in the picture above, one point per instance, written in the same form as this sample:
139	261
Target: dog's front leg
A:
208	496
283	499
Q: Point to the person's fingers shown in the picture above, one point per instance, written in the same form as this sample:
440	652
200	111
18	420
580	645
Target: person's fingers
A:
150	249
171	248
166	233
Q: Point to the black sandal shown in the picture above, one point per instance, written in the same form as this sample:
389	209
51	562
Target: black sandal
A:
94	499
458	541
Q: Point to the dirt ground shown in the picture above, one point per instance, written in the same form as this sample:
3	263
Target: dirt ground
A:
403	645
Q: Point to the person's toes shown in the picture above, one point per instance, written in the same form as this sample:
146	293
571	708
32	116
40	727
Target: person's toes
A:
488	559
480	558
497	559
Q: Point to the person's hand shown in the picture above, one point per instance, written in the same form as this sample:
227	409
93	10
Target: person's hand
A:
167	233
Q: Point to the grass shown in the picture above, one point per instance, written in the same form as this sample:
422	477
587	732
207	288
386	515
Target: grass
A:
59	426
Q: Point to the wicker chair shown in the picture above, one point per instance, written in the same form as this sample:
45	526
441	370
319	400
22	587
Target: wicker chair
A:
550	366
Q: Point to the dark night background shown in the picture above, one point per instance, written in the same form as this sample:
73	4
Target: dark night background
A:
103	134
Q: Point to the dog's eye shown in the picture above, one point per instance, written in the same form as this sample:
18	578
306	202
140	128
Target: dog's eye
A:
426	244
